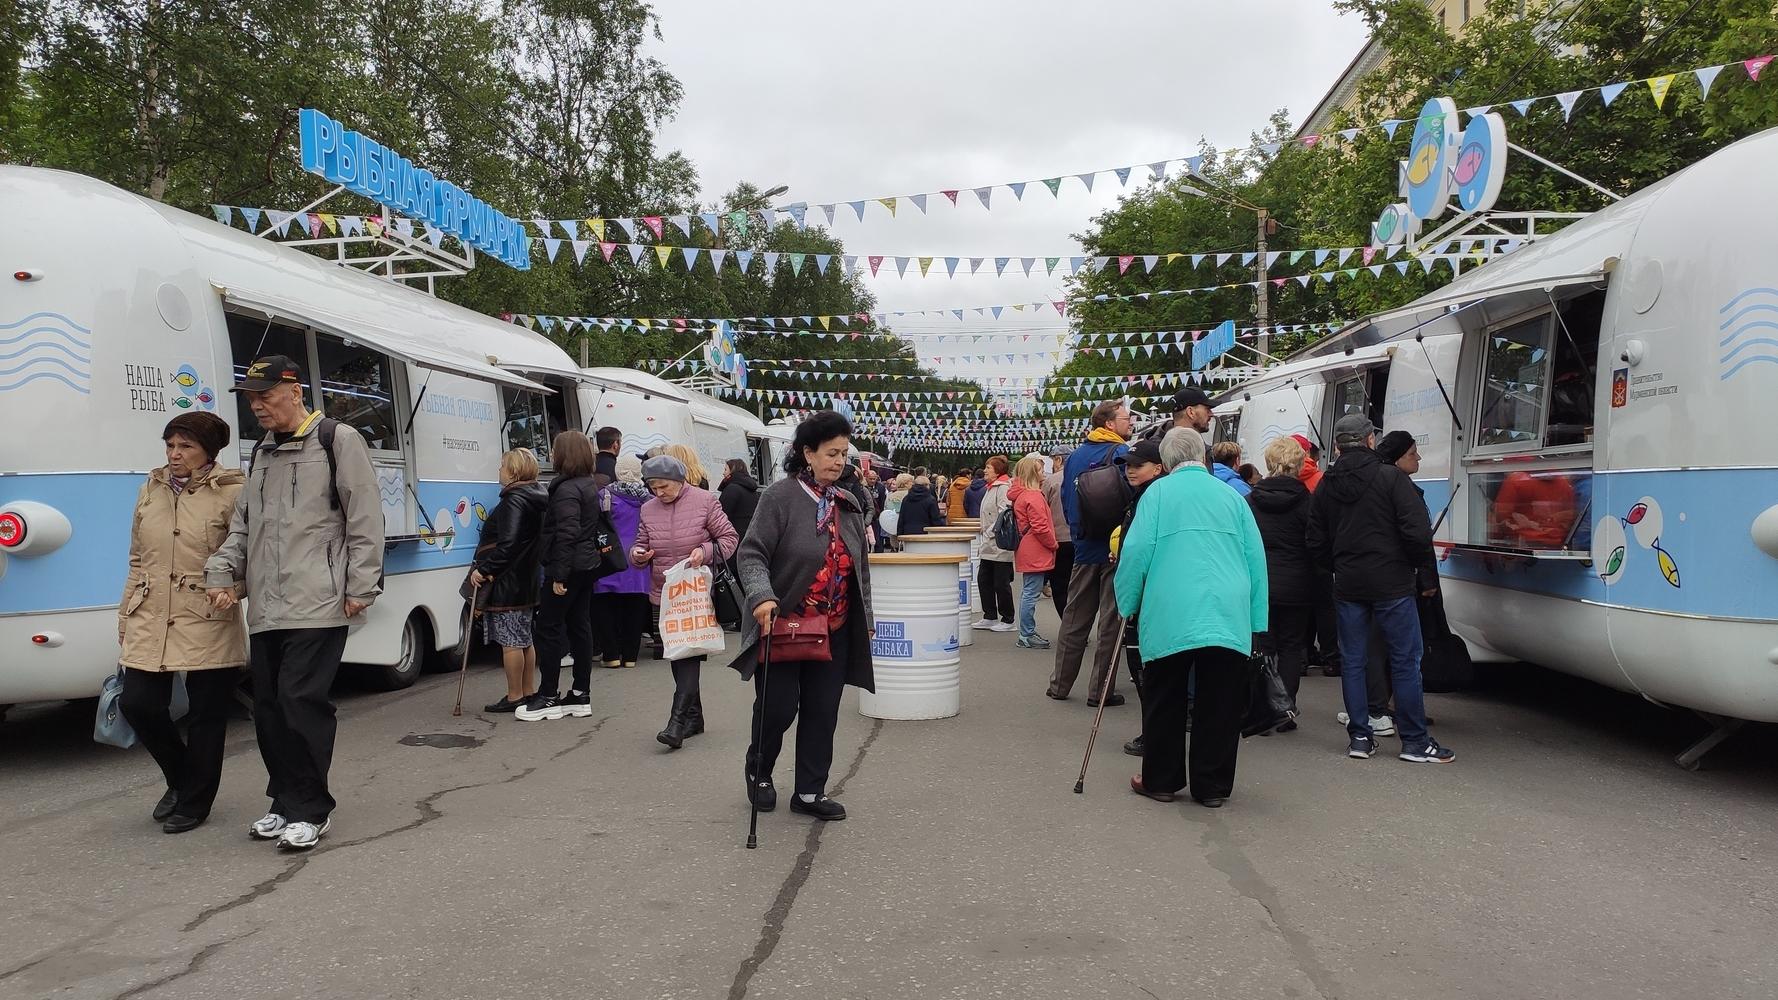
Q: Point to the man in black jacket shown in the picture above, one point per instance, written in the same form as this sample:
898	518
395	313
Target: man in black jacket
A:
1371	528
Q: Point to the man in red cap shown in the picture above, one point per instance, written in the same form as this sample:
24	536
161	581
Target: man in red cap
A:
1311	472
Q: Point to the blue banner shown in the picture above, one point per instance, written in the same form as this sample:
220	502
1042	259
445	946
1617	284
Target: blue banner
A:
1213	344
367	167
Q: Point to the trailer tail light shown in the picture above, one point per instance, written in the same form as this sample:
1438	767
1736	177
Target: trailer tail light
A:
12	530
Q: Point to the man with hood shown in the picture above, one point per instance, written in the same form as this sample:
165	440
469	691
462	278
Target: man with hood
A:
1370	527
919	509
972	497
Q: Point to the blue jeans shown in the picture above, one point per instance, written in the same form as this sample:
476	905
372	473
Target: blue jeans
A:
1399	622
1031	588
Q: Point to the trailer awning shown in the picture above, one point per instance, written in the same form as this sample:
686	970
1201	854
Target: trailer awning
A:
412	348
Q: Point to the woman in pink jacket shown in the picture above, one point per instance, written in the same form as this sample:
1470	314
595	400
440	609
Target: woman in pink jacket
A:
682	522
1036	554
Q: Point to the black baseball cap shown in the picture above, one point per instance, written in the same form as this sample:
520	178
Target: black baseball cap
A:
1189	396
1144	452
269	372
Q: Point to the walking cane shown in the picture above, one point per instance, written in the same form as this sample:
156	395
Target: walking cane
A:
463	669
765	657
1104	692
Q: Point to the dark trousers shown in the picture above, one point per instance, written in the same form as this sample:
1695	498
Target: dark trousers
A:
564	625
1220	676
293	671
1060	575
808	693
192	765
1399	622
685	675
1288	639
994	580
1325	633
1132	657
618	623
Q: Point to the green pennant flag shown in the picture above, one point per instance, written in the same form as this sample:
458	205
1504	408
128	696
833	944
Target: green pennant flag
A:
739	221
796	263
1055	186
1050	263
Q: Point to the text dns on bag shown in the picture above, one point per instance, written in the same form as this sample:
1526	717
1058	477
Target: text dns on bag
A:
688	625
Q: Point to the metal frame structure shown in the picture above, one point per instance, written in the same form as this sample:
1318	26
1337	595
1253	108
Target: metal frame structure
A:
434	262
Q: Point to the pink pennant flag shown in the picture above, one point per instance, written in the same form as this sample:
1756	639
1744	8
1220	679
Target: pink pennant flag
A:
1755	65
876	261
1123	262
607	249
1061	307
1309	141
1368	253
951	195
653	222
314	225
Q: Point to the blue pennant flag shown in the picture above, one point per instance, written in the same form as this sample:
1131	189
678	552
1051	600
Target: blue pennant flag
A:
252	217
1390	125
821	262
710	220
1523	107
1018	190
858	206
1610	91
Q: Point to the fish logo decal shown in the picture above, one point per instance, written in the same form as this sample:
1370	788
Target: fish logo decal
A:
193	393
1468	163
1611	542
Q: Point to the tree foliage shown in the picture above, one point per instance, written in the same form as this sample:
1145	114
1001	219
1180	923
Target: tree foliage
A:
1328	195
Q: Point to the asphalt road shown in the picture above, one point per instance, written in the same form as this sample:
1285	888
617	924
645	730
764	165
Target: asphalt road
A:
1562	855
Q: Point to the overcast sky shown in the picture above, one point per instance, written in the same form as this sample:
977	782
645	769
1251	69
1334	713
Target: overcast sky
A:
844	101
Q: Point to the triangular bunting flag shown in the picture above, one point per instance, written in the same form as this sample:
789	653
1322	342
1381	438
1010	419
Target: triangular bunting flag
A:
1609	92
1049	264
858	207
951	269
796	263
983	193
1754	66
1123	175
1149	261
888	203
821	262
876	261
925	265
636	251
711	222
901	267
223	213
1706	77
1123	262
1086	179
252	217
919	201
653	222
1567	101
771	260
628	226
662	253
1658	87
550	246
1055	186
1390	125
1524	107
951	195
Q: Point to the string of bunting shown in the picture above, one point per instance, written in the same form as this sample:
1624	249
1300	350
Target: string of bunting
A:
315	223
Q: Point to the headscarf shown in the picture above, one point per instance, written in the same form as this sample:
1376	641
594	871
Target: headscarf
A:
629	470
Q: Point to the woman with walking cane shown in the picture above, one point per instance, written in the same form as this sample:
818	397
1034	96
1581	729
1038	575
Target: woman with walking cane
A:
1194	566
805	568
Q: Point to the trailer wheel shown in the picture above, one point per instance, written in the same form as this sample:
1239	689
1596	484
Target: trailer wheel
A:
439	661
416	639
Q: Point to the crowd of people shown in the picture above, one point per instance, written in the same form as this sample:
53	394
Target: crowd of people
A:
1182	556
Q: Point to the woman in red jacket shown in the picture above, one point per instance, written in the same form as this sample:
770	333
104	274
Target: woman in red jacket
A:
1036	554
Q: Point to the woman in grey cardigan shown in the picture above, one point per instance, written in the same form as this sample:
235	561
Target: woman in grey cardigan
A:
806	554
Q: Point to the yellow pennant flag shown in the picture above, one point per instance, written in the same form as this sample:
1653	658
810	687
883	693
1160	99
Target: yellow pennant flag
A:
925	265
824	321
644	323
888	203
1658	86
1173	257
598	228
661	253
332	222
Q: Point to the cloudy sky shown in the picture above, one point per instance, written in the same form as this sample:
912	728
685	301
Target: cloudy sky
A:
844	101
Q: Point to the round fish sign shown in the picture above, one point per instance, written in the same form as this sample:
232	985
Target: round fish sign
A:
1481	163
1426	183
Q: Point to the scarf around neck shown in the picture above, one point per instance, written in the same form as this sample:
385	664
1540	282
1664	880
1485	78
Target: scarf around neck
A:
1103	435
825	499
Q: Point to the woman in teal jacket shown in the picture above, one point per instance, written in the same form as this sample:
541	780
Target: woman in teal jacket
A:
1193	566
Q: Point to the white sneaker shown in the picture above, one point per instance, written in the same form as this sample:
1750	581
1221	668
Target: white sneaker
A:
984	625
268	827
1003	627
303	836
1381	725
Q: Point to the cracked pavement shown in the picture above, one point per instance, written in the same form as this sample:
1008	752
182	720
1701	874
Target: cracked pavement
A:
1562	855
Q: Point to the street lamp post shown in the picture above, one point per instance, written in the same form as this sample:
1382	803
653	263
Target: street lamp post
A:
1262	310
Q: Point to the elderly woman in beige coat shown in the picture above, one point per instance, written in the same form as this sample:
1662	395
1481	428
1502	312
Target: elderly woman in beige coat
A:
167	625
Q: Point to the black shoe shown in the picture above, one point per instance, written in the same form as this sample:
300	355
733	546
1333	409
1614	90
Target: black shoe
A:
1054	696
577	704
1114	701
694	715
762	794
1288	727
822	808
1134	748
540	707
1212	803
1330	670
164	807
179	824
673	736
503	706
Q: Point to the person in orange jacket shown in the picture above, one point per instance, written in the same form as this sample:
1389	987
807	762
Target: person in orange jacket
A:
1310	474
954	505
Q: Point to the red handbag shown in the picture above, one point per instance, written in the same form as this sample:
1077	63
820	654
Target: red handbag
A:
800	639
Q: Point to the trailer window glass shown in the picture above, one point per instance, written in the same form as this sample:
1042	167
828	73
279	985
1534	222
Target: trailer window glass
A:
1228	427
1516	376
527	422
250	338
358	389
1537	509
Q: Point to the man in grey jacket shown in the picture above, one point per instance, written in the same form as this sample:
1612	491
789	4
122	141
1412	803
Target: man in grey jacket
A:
307	540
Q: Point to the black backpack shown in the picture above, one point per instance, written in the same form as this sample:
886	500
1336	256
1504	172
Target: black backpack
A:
1102	495
1006	529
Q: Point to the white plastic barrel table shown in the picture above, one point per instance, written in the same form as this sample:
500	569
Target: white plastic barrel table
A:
915	653
946	542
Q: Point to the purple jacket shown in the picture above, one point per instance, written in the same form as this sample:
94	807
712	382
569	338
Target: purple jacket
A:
625	501
672	530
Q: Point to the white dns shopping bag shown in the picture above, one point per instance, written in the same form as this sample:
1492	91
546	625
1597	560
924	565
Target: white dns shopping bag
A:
688	616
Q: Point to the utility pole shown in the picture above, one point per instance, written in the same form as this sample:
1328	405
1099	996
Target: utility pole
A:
1262	308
